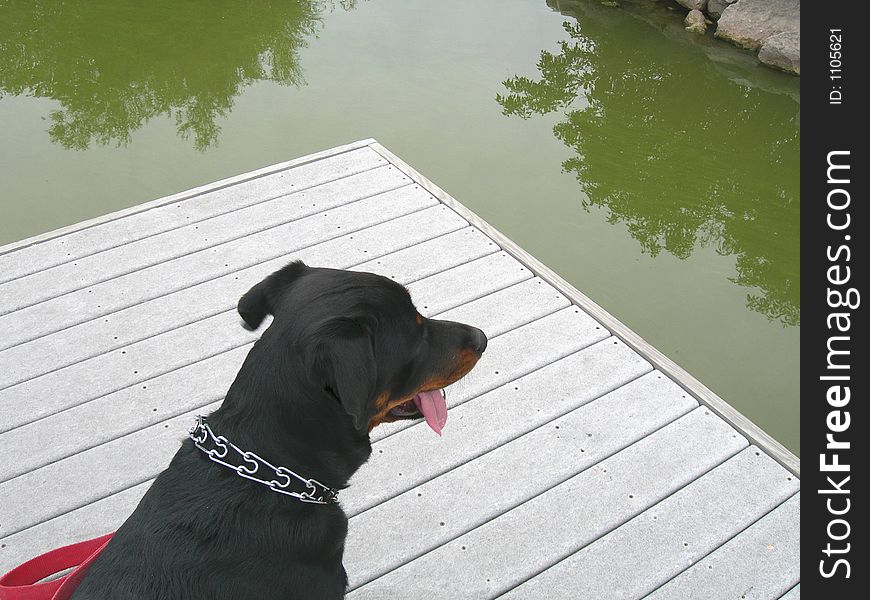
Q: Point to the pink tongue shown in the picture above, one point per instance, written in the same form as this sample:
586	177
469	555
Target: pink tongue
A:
434	408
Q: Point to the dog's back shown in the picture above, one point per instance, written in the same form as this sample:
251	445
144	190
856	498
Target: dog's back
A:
198	534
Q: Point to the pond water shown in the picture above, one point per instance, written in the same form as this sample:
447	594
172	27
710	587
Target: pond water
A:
655	170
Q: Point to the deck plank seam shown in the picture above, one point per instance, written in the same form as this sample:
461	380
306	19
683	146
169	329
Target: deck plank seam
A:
62	513
123	434
251	343
412	281
718	546
603	534
210	247
217	276
526	320
115	349
191	193
210	314
193	221
66	512
503	287
562	481
136	383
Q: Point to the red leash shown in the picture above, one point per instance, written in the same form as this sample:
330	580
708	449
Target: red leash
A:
20	582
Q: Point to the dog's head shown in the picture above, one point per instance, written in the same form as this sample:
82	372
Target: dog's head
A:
363	343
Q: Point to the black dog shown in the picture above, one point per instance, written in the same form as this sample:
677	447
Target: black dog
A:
345	352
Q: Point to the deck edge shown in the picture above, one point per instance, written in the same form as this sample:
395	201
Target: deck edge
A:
683	378
184	195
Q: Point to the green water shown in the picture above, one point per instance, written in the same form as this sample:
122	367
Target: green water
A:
655	170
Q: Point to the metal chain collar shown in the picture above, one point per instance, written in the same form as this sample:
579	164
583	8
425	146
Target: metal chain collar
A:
250	466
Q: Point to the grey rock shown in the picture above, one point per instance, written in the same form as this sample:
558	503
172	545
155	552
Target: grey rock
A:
715	7
696	22
749	23
782	51
693	4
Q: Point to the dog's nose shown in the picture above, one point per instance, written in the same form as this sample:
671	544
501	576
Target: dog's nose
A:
478	340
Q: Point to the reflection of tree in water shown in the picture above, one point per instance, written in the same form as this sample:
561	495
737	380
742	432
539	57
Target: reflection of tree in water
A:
113	65
682	160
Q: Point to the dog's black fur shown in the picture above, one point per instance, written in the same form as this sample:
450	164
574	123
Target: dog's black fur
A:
344	349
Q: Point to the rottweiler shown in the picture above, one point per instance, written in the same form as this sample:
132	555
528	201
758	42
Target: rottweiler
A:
247	508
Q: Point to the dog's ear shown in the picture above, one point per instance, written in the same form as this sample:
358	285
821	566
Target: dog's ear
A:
344	362
261	299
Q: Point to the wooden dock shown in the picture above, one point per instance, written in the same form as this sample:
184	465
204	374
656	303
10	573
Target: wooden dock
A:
577	462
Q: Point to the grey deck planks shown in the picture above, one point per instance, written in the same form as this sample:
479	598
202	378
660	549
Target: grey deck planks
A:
439	254
91	475
202	235
567	516
538	301
102	298
82	523
117	331
187	209
661	542
489	273
491	420
762	562
148	318
164	396
490	485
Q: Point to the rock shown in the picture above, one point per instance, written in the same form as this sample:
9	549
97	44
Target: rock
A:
715	7
693	4
695	22
749	23
782	51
